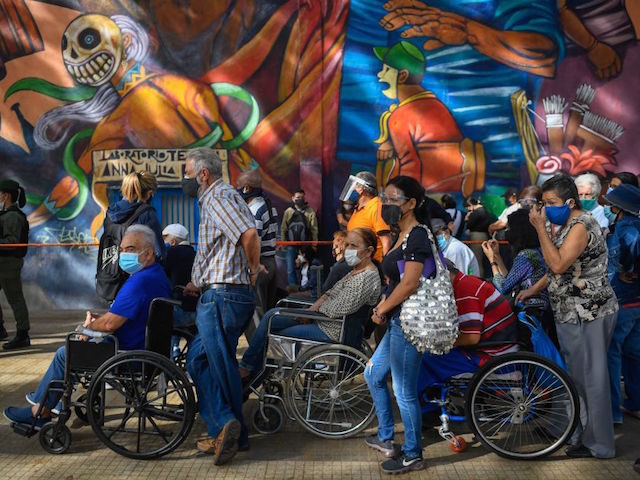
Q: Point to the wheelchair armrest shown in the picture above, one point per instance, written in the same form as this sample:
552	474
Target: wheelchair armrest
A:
81	330
171	301
304	313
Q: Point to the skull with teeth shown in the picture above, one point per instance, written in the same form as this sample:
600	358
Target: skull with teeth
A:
92	49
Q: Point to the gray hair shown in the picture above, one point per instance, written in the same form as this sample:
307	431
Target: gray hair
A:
370	180
206	158
106	98
148	236
589	179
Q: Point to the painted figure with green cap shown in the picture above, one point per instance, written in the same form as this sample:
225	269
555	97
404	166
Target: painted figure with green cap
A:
419	136
14	228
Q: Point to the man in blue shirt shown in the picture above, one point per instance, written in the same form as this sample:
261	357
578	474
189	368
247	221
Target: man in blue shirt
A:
126	319
624	274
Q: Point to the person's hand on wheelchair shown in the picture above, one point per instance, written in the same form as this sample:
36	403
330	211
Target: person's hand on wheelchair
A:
191	290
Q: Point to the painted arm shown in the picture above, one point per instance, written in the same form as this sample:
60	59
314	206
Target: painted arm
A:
528	51
604	59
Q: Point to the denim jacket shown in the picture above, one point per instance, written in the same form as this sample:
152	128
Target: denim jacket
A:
624	257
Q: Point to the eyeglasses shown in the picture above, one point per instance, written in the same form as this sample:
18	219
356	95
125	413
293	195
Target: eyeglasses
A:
385	199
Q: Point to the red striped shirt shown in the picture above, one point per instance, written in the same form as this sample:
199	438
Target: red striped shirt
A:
484	310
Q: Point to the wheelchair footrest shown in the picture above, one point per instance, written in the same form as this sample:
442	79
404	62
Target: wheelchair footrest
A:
23	429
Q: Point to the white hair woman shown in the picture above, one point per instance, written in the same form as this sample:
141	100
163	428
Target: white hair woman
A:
589	188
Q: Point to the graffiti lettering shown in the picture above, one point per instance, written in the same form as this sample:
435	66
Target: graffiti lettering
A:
110	166
66	235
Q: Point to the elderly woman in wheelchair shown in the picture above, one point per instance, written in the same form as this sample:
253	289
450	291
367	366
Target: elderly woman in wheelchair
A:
315	353
127	355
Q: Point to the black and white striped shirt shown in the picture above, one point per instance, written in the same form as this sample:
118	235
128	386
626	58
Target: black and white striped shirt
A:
267	227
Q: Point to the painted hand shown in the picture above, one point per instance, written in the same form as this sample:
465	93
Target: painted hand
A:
443	28
605	60
385	151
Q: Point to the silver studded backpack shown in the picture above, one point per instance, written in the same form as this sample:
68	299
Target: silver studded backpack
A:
429	317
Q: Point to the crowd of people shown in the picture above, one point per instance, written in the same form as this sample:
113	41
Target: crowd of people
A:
563	250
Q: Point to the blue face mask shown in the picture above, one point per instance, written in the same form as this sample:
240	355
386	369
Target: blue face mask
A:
129	262
611	216
167	245
442	241
558	215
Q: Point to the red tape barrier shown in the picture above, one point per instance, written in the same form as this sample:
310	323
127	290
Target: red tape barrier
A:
280	244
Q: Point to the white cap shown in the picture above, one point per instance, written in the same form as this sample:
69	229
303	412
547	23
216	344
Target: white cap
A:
176	230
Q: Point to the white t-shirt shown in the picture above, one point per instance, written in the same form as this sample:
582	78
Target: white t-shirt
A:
508	211
462	257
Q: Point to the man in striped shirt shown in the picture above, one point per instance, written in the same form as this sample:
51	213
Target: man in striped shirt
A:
250	188
484	315
224	270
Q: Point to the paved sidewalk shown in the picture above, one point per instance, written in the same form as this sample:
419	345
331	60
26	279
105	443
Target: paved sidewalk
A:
290	454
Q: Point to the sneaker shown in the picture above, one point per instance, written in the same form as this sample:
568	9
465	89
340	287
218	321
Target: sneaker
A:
206	445
3	333
226	443
19	341
578	451
31	399
23	415
387	447
403	464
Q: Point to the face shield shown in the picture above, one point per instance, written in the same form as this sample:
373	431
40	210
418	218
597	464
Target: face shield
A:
349	193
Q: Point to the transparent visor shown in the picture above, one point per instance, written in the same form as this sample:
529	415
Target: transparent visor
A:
349	193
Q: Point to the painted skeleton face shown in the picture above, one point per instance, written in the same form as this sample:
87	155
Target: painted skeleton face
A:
92	49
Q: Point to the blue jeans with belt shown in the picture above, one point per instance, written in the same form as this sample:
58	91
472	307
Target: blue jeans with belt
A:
222	315
624	358
396	355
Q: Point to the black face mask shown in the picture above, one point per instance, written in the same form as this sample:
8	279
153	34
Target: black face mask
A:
299	202
254	192
190	187
391	214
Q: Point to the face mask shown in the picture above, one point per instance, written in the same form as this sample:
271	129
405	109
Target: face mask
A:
351	257
167	245
442	242
301	259
347	207
558	215
588	203
129	262
190	187
299	202
391	214
611	215
254	192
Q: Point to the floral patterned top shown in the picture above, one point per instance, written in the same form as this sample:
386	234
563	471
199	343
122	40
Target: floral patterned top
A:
583	292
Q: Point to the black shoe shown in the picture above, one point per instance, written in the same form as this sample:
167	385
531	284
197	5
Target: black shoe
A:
403	464
636	466
579	451
3	333
387	448
19	341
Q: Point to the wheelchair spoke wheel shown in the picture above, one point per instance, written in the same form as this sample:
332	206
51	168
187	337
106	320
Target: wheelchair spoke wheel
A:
327	391
148	407
522	406
268	419
55	438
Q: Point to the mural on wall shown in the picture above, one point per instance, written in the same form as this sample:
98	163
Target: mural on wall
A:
469	96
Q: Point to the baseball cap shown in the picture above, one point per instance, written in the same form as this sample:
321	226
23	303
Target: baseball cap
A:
176	230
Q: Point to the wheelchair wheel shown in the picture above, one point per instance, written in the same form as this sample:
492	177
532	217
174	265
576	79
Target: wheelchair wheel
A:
267	420
327	391
149	405
522	406
81	410
185	338
366	348
55	438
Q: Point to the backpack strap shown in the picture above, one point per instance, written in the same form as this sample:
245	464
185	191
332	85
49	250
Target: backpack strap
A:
139	211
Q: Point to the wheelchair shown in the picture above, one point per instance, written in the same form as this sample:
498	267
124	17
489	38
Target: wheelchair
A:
320	385
139	403
519	405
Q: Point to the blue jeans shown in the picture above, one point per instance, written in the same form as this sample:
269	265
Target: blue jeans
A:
54	372
437	369
253	358
292	273
396	355
624	358
221	317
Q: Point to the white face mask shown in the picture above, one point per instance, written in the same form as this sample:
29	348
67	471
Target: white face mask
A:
351	257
